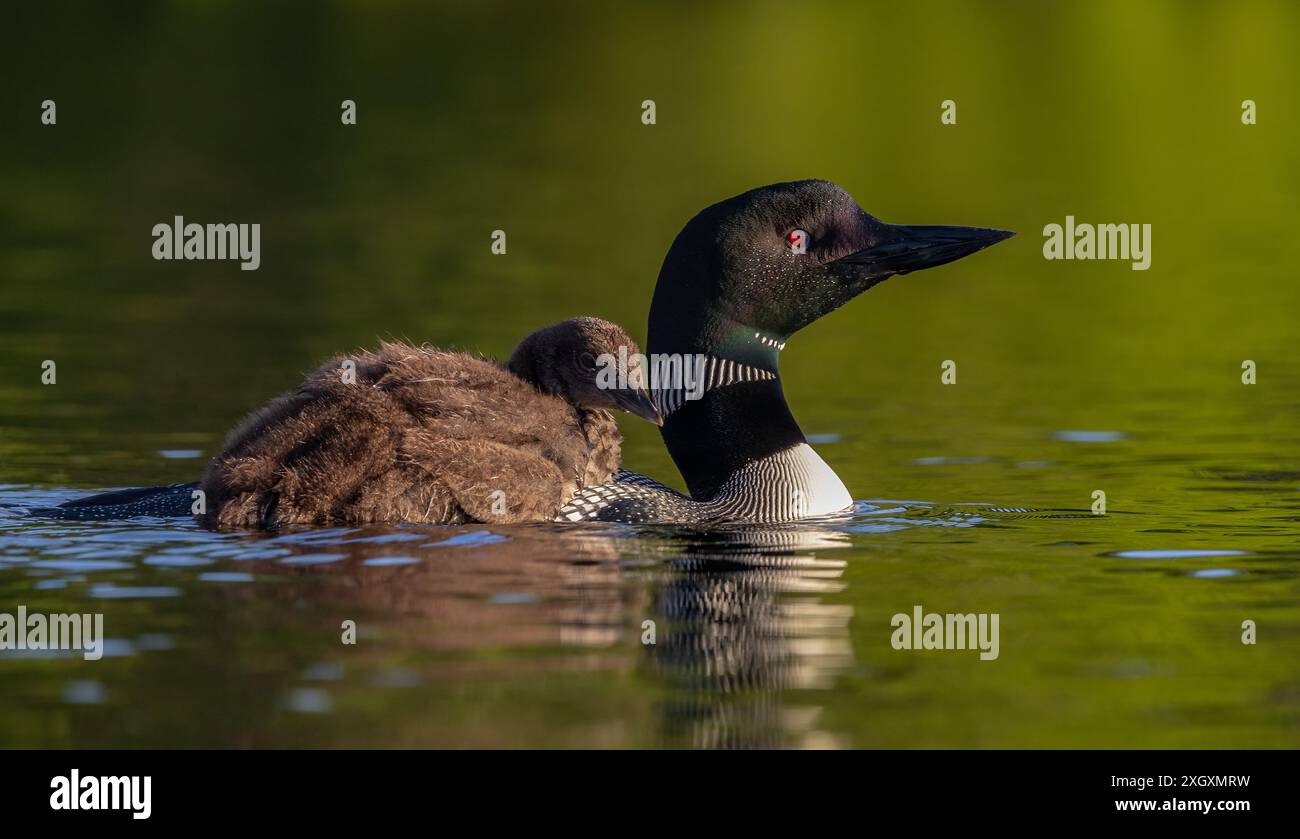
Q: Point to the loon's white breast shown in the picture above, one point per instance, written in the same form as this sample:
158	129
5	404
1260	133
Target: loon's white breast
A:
824	492
792	484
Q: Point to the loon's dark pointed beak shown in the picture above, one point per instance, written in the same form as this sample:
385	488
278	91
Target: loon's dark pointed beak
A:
919	246
638	402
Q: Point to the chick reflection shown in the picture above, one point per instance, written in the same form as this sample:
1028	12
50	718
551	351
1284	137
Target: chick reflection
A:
744	623
462	588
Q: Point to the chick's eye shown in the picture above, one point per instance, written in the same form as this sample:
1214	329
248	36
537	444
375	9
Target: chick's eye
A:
798	241
586	361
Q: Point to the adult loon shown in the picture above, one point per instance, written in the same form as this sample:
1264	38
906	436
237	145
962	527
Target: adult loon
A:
411	434
740	279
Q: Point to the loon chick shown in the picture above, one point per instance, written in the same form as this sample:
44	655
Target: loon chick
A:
416	434
422	435
740	279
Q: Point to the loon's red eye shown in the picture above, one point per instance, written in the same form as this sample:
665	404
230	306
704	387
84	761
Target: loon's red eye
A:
798	240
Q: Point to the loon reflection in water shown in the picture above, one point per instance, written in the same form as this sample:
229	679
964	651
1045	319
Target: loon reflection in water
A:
740	613
740	279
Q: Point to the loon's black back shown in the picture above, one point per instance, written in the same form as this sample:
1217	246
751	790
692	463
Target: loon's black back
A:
165	501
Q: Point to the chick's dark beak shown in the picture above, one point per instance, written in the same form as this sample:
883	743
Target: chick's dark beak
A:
636	401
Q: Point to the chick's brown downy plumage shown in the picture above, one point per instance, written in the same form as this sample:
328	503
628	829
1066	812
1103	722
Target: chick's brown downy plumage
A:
422	435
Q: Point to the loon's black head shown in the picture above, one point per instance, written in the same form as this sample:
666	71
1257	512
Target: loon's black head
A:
750	271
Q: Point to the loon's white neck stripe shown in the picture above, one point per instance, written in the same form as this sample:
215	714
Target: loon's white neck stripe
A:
718	372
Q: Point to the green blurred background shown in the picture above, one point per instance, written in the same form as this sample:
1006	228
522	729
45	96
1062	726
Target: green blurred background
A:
526	117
